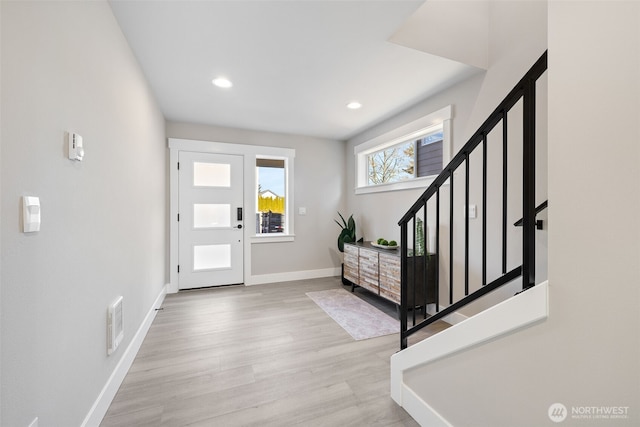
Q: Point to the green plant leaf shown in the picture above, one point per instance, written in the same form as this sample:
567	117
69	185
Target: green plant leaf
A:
348	232
344	223
344	234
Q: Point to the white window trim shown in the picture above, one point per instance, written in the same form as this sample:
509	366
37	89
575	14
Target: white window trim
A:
250	153
288	236
414	129
272	238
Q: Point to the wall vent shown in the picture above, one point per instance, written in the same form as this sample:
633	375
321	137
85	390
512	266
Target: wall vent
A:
115	326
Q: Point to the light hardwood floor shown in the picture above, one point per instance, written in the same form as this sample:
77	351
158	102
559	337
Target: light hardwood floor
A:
262	355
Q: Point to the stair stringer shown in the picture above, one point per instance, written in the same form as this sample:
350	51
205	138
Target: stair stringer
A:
508	316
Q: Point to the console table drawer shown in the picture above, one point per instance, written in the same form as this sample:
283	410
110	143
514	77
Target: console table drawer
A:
368	265
390	277
351	263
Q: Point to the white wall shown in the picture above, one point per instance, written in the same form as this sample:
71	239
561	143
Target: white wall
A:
586	354
456	30
319	186
517	38
67	67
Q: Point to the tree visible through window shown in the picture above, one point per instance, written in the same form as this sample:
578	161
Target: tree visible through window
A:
398	162
392	164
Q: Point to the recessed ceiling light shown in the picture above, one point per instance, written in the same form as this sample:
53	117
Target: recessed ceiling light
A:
354	105
222	82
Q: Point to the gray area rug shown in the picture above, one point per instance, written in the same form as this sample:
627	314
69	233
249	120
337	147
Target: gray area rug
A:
359	319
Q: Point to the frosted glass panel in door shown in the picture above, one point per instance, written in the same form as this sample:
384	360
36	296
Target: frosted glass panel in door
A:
208	257
211	174
211	215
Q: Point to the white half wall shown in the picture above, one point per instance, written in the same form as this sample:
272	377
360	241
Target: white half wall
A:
506	317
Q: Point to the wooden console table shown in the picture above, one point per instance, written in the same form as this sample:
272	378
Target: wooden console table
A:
378	271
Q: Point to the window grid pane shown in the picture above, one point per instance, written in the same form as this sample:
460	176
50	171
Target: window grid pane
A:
271	215
419	156
429	158
392	164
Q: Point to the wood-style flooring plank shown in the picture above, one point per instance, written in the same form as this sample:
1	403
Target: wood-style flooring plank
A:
256	356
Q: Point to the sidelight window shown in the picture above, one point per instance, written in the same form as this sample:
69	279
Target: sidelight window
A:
271	212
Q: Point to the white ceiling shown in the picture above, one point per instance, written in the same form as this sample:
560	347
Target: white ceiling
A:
294	64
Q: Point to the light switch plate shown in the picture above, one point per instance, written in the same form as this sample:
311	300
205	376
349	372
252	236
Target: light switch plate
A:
30	214
473	211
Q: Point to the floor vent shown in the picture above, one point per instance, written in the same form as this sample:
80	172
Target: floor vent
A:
115	326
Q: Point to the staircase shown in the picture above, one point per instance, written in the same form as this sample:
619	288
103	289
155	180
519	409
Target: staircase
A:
461	280
447	254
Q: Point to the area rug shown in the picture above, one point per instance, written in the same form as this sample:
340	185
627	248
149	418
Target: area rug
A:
359	319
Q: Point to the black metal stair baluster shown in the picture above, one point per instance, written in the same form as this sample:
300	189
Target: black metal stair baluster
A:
425	266
466	225
403	285
437	252
484	209
415	275
504	191
451	237
528	184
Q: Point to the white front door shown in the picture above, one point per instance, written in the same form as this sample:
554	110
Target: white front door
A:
210	193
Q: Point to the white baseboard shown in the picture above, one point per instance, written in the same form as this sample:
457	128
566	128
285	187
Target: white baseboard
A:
101	405
261	279
514	313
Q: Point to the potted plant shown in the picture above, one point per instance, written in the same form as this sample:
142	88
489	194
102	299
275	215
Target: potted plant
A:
347	231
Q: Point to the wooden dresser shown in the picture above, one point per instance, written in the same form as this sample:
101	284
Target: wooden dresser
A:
378	271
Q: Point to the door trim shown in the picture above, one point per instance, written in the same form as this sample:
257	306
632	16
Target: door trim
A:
250	152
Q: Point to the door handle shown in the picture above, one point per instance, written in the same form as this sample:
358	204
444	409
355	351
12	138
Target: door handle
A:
239	225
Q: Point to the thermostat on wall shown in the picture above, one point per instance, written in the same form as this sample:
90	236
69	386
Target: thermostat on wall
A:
76	152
